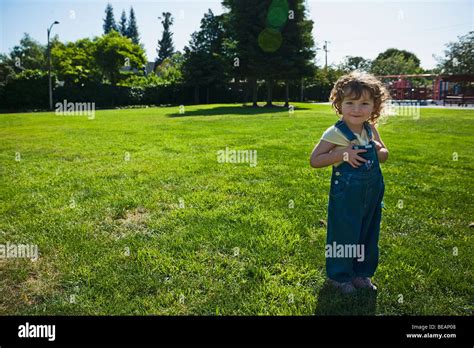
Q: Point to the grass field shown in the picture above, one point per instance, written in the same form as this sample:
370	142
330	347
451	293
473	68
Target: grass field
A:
133	214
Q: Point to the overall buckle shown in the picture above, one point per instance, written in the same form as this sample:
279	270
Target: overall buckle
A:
368	164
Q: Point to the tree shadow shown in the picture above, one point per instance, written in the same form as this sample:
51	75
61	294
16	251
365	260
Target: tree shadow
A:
235	110
332	302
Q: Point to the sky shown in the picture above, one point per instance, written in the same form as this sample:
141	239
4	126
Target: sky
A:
356	28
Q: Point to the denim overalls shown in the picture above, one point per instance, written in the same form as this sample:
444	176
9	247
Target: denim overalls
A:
355	212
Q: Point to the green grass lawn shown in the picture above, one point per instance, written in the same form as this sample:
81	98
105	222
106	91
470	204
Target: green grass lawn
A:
133	214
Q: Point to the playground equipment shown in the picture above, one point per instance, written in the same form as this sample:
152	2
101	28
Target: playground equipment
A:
458	89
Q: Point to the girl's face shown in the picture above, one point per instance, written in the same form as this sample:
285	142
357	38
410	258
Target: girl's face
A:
357	111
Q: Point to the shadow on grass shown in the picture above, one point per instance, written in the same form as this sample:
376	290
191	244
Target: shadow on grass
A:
236	110
332	302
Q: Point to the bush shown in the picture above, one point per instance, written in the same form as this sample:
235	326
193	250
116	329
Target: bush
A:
27	90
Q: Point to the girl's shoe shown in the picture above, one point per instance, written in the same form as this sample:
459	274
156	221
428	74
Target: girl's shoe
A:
363	283
345	287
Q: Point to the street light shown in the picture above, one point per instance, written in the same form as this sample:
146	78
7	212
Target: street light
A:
49	69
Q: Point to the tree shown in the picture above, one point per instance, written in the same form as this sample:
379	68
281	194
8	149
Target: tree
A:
204	63
395	65
351	63
24	67
123	24
7	73
394	51
170	70
109	20
165	45
113	51
320	85
168	73
271	39
459	57
396	62
244	21
297	50
195	64
29	54
74	62
132	30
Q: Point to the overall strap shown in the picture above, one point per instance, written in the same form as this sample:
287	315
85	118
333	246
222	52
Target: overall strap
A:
368	130
342	126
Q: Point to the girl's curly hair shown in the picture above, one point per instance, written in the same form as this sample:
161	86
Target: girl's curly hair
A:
354	84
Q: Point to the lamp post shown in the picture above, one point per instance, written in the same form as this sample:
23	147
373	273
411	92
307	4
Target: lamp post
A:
49	69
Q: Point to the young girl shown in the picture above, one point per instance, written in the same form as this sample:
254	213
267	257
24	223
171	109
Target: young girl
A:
354	147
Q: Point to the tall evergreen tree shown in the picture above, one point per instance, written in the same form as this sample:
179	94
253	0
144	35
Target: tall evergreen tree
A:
165	45
123	24
271	39
109	20
297	51
243	23
132	30
204	63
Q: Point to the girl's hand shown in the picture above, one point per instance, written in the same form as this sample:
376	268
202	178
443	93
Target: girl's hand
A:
352	157
378	145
